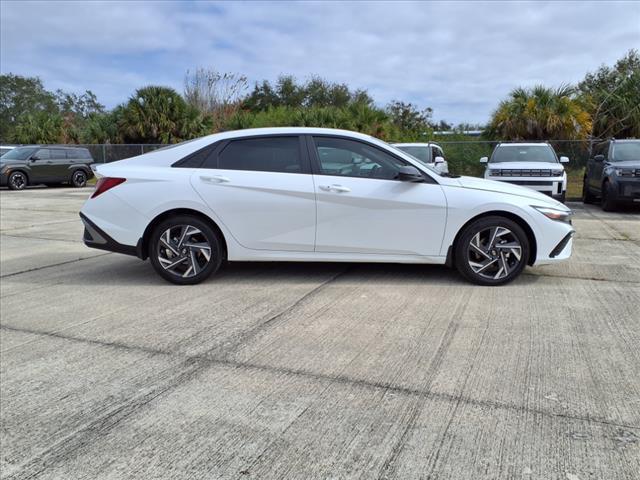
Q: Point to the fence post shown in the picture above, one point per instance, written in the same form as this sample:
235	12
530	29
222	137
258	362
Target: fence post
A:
141	149
104	153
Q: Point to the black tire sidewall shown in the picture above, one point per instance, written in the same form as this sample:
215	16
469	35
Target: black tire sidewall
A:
211	235
462	250
15	174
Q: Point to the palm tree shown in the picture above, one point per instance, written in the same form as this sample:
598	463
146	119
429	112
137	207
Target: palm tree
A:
160	115
541	113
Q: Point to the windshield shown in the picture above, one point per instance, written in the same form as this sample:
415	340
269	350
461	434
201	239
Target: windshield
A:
420	153
625	152
523	153
427	165
18	153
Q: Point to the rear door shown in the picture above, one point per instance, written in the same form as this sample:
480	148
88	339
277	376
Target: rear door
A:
262	191
363	207
59	164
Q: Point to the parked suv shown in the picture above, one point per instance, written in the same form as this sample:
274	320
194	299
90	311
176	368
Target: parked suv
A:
613	174
532	165
34	165
430	154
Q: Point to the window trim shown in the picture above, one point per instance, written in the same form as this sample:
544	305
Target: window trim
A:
315	161
212	146
302	152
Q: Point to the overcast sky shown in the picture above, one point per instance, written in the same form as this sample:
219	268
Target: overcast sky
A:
458	58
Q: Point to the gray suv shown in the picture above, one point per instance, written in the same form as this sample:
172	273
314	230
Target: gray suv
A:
613	174
49	165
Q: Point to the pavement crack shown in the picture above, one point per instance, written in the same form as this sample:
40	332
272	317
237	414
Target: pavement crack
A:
54	265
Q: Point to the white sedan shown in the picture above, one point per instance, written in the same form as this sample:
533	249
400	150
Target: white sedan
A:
315	195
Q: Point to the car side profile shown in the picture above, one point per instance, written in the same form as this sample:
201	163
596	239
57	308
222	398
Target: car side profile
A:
49	165
613	174
315	195
429	153
532	165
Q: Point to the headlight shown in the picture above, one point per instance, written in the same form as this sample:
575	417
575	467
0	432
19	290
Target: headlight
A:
557	173
495	173
624	172
555	214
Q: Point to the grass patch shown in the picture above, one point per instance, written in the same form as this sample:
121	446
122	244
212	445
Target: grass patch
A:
574	183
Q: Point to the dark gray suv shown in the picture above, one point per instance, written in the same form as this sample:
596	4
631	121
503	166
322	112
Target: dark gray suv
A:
613	174
49	165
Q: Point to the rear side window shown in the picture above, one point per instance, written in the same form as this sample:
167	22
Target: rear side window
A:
57	153
272	154
78	154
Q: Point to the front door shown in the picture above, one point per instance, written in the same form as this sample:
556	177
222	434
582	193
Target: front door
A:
363	207
262	191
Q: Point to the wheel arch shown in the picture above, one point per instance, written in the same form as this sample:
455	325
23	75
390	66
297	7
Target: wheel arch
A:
533	245
143	244
21	170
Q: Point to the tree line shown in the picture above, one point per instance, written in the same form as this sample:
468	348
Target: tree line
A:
605	103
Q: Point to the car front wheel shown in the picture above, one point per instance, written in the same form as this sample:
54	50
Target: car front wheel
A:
17	181
185	250
608	197
492	251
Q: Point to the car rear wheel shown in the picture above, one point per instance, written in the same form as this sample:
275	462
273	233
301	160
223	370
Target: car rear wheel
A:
78	179
587	196
185	250
17	181
608	195
492	251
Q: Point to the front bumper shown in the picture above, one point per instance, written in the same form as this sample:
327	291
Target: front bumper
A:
552	186
4	180
627	189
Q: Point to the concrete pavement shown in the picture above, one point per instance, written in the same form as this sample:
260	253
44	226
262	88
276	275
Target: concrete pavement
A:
314	370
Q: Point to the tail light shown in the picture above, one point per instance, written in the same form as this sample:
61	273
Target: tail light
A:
106	183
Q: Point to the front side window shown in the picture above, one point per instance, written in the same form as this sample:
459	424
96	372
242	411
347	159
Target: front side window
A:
42	154
626	152
420	153
271	154
349	158
524	153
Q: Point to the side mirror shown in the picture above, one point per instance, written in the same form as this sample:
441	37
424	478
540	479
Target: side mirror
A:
599	158
34	158
438	160
484	159
564	159
410	174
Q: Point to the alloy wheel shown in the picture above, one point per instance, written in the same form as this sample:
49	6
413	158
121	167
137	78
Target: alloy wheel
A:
494	252
183	251
18	181
79	179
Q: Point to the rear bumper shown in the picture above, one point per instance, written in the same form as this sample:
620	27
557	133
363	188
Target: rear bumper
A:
95	237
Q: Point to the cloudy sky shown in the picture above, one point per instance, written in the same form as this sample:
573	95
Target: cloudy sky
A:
458	58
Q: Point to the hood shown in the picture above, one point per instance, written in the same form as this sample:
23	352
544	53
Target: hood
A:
4	162
508	188
626	164
526	165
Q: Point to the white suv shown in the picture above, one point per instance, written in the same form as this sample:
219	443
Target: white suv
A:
429	154
532	165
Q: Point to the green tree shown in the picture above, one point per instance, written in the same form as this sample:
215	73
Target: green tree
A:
409	119
39	127
540	113
612	95
160	115
22	97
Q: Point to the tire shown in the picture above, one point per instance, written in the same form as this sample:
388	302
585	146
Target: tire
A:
482	262
563	197
17	181
587	196
79	178
184	232
608	203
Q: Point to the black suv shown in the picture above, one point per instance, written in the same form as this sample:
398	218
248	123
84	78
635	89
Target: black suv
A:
34	165
613	174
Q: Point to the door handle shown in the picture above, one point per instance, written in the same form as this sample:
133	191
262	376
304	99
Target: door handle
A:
215	179
335	188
